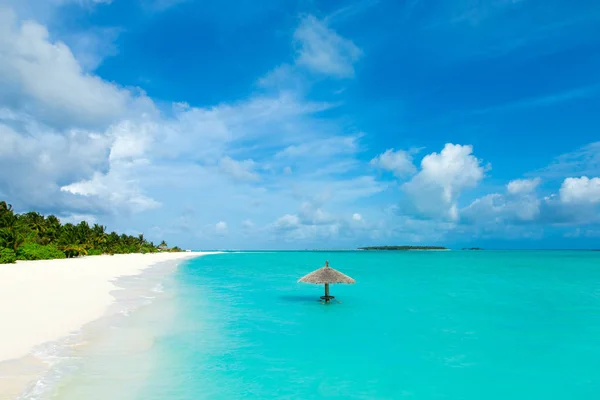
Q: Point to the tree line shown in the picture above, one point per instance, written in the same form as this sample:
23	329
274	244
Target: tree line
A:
32	236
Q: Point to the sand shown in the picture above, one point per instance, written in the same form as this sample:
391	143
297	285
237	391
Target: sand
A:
43	301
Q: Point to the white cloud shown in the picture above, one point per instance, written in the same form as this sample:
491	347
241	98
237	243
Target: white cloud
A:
239	170
92	45
115	188
322	50
434	191
312	224
75	143
580	190
497	208
286	222
522	186
221	228
576	203
120	186
94	148
43	78
35	161
399	162
312	214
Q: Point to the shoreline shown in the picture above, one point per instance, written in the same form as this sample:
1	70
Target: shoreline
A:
46	305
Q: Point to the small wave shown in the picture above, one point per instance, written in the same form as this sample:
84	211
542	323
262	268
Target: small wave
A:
60	356
159	288
57	356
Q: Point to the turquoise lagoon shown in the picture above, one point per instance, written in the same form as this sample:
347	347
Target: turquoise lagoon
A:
416	325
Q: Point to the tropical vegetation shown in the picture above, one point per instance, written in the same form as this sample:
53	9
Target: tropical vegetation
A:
32	236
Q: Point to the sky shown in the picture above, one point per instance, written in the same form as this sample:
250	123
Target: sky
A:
306	124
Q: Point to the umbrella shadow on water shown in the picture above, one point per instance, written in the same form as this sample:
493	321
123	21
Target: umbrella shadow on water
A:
299	298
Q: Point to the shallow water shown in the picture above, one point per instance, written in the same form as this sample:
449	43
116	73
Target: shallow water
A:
422	325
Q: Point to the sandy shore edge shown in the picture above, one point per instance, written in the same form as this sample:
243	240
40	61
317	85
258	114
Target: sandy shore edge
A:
45	301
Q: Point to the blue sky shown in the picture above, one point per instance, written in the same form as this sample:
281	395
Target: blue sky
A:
306	124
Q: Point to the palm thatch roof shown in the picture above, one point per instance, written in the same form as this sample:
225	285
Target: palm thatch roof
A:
326	275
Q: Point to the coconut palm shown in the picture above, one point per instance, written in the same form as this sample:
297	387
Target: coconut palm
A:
36	222
74	240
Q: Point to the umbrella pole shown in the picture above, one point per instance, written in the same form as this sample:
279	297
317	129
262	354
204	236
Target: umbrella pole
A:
327	293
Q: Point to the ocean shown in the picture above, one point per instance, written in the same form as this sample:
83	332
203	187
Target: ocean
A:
416	325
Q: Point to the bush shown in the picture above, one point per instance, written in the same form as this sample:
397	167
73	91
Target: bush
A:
34	251
7	256
94	252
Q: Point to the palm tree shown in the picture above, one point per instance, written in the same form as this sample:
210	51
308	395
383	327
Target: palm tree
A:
51	230
7	215
12	232
73	240
12	237
36	222
69	241
98	236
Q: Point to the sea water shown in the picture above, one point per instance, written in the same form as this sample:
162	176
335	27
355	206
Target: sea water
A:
416	325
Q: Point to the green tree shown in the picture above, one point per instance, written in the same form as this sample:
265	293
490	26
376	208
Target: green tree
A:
12	231
36	222
51	230
7	256
31	236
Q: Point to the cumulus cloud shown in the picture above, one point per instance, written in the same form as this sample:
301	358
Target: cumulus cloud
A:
106	169
433	192
287	222
43	78
497	208
114	189
221	228
399	162
312	224
119	185
74	142
580	190
576	203
322	50
35	161
522	186
312	214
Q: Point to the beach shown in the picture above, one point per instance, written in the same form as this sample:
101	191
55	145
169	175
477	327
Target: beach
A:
44	301
444	324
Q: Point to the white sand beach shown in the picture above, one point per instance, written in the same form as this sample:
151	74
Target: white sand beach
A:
43	301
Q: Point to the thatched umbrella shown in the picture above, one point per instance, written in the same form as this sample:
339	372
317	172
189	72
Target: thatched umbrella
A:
326	275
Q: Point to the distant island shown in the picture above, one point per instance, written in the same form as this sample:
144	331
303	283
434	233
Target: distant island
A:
472	248
403	248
